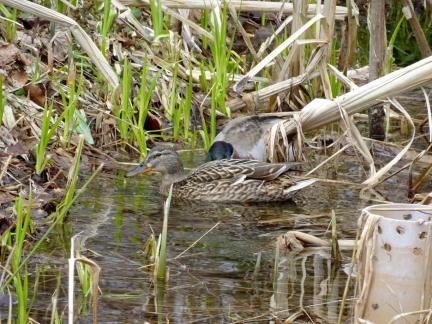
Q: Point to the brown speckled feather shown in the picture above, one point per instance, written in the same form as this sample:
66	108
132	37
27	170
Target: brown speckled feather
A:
236	180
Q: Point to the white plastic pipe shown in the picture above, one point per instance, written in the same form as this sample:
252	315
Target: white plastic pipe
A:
394	261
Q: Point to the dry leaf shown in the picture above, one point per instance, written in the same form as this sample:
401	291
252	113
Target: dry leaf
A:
36	93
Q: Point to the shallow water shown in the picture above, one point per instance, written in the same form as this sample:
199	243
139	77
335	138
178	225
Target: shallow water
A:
215	281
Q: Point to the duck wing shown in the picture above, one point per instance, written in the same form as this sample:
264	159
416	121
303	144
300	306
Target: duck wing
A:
238	169
223	170
237	181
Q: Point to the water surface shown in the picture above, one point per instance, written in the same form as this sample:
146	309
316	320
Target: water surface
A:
215	281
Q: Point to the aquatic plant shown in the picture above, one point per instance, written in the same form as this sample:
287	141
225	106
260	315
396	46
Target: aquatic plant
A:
88	274
56	317
21	277
61	210
161	255
335	251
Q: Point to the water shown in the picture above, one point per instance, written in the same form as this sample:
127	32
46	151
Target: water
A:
215	281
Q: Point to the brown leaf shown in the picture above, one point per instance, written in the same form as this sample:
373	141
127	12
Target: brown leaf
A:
36	93
20	148
18	78
6	139
63	159
9	55
6	197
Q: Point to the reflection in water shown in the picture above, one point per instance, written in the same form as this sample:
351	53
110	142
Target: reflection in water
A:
217	280
304	287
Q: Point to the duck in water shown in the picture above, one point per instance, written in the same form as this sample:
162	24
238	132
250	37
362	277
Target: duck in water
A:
227	180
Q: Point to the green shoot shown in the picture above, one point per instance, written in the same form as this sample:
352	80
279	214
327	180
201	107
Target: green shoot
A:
20	281
204	23
72	179
221	55
59	216
150	249
142	105
88	274
10	16
160	269
173	95
84	277
175	113
124	111
36	71
70	103
157	18
187	105
205	136
391	44
263	19
61	7
334	82
107	21
202	78
47	133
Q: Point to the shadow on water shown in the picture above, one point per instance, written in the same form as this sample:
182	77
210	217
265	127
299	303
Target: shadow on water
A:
215	281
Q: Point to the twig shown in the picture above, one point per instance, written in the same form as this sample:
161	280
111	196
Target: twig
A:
194	243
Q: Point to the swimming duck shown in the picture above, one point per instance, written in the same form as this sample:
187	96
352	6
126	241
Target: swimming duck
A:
235	180
242	137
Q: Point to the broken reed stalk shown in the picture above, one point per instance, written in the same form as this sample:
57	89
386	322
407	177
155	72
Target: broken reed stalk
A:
240	5
321	112
411	16
127	16
256	99
238	87
201	31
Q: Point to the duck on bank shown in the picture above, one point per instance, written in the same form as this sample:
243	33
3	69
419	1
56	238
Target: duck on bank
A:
227	180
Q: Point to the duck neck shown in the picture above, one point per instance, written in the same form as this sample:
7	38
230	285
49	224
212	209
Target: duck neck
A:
171	177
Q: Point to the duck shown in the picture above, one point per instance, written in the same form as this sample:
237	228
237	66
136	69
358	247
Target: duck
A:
226	180
242	138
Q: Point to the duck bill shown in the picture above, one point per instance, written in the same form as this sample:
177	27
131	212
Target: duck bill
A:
139	169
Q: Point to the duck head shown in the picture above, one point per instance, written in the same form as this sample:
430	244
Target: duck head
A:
220	150
160	159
